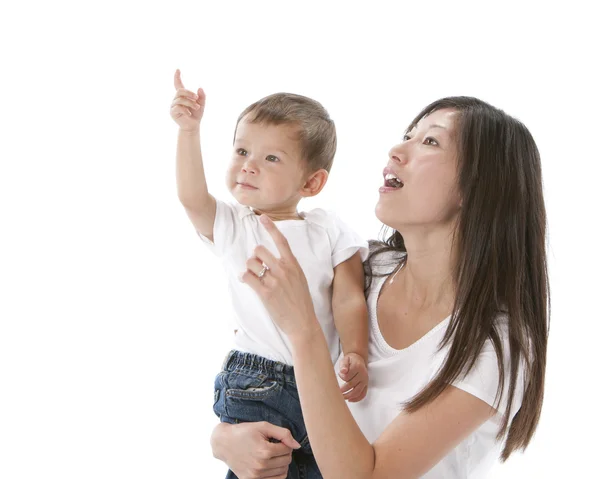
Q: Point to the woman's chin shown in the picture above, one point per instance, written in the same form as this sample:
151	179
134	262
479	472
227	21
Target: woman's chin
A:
384	213
389	216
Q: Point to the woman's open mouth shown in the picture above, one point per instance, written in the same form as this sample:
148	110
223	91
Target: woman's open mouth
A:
391	180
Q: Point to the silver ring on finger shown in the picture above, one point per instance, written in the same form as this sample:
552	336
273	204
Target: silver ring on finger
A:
263	271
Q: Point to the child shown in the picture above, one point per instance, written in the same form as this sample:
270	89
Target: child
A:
283	150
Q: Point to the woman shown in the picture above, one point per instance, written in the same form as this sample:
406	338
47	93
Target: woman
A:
457	298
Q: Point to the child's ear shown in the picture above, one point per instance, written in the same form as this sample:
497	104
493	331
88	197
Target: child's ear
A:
314	183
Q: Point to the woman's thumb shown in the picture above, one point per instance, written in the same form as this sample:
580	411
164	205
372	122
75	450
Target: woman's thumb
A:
282	434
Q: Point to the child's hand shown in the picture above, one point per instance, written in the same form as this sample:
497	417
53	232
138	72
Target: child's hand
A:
187	107
353	371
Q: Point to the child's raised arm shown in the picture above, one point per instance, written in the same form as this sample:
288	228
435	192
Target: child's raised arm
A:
187	110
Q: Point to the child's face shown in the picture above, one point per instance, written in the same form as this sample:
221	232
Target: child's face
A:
267	170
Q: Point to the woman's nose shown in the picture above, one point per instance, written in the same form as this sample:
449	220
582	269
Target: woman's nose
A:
398	154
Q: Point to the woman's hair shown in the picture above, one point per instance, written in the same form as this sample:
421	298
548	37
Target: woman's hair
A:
500	240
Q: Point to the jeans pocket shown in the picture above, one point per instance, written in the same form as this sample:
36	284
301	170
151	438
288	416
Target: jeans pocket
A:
248	396
257	390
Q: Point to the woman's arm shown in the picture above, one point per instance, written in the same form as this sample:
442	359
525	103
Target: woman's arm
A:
411	445
338	444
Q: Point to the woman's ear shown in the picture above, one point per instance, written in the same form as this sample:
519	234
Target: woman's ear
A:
314	183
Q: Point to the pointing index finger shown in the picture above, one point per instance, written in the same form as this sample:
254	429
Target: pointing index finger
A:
280	241
178	82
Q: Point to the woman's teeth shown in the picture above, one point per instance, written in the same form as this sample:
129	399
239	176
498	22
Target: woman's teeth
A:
392	181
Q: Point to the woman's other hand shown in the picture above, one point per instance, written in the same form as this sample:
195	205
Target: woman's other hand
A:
247	450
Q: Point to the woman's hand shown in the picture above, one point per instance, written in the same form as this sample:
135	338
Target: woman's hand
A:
282	286
246	449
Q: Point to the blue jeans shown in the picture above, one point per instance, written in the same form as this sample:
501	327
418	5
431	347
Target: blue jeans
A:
252	388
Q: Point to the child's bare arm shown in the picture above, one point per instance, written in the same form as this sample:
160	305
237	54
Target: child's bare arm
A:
187	110
350	307
352	322
199	204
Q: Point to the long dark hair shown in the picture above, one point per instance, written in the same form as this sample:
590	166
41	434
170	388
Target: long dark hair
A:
501	267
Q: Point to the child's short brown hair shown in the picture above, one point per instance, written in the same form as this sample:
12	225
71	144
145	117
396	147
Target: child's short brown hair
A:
317	130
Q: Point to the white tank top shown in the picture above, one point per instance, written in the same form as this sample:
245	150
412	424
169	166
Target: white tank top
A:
396	375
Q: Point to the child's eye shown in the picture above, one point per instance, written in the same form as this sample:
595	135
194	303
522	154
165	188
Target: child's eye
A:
431	141
242	152
272	158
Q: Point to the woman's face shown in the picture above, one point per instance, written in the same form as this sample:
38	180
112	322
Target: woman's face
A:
420	180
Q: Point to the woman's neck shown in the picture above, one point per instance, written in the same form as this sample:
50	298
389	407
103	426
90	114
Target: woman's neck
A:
427	276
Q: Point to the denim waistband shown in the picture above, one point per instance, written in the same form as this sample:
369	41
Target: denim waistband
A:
252	362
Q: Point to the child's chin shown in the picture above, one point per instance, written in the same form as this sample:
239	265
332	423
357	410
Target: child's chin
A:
242	199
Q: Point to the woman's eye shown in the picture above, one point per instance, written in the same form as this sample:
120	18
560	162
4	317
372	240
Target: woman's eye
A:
406	138
431	141
272	158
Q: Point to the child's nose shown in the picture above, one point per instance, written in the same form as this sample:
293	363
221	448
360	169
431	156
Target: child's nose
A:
249	166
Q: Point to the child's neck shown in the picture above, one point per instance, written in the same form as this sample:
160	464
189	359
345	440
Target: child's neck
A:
279	215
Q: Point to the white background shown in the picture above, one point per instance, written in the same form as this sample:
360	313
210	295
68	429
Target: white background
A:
112	311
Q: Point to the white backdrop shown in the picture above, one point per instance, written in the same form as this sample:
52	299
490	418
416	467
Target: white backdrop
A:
112	311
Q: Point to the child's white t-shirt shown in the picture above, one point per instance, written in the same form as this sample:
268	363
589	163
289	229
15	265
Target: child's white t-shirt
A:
396	375
320	242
